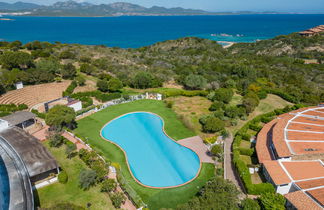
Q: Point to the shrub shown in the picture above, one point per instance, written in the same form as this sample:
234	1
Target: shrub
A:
212	124
38	114
223	94
114	85
216	105
87	178
62	177
56	140
249	204
117	199
108	185
217	150
169	104
271	201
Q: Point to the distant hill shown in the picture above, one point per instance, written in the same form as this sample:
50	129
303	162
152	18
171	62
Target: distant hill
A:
18	6
72	8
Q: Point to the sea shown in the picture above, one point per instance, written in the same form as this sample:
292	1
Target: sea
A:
135	31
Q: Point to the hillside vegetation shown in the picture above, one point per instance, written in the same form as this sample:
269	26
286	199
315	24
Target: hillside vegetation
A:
192	62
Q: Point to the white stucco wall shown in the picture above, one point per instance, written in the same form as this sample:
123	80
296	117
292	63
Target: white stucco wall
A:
77	106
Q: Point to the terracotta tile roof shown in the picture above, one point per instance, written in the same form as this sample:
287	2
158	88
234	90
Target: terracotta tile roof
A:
318	194
300	170
277	174
300	148
313	113
309	120
263	142
293	135
278	137
301	201
310	183
297	126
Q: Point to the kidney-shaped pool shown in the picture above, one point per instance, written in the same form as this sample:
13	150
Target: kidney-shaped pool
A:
154	159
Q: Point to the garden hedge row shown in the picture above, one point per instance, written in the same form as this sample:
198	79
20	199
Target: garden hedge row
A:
178	92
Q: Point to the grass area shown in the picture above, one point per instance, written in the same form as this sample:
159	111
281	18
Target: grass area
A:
245	144
191	109
155	198
266	105
70	192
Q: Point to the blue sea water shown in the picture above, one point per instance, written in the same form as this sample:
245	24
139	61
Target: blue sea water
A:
154	159
133	32
4	186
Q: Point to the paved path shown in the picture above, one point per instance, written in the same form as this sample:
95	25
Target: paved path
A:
196	144
229	168
72	139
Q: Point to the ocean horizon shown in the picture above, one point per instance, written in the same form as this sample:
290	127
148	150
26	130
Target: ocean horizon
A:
139	31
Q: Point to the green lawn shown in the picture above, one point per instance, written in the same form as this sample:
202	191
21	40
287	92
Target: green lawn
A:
155	198
70	192
245	144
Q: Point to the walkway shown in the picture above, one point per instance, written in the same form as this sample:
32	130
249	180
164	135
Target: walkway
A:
197	145
72	139
41	134
229	168
128	204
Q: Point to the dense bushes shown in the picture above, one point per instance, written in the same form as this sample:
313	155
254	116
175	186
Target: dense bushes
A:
62	177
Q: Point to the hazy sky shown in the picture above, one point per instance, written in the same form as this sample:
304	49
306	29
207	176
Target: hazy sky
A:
308	6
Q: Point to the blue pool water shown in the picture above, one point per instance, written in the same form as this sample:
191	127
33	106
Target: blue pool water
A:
132	32
4	186
154	159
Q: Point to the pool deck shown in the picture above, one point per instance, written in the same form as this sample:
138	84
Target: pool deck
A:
197	145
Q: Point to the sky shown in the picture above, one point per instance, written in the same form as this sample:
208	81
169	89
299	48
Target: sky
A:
299	6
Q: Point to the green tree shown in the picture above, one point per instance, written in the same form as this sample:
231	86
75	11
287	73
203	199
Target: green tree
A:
68	71
87	68
212	124
108	185
49	65
87	178
67	55
60	116
142	80
114	85
224	95
216	194
18	59
195	82
102	85
216	106
249	204
250	102
270	201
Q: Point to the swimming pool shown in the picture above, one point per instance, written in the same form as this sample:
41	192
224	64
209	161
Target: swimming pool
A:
4	186
154	159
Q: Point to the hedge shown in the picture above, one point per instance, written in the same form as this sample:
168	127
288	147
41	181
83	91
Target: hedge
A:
178	92
103	97
245	151
69	90
38	114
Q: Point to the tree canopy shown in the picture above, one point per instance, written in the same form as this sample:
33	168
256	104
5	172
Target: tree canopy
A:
60	116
